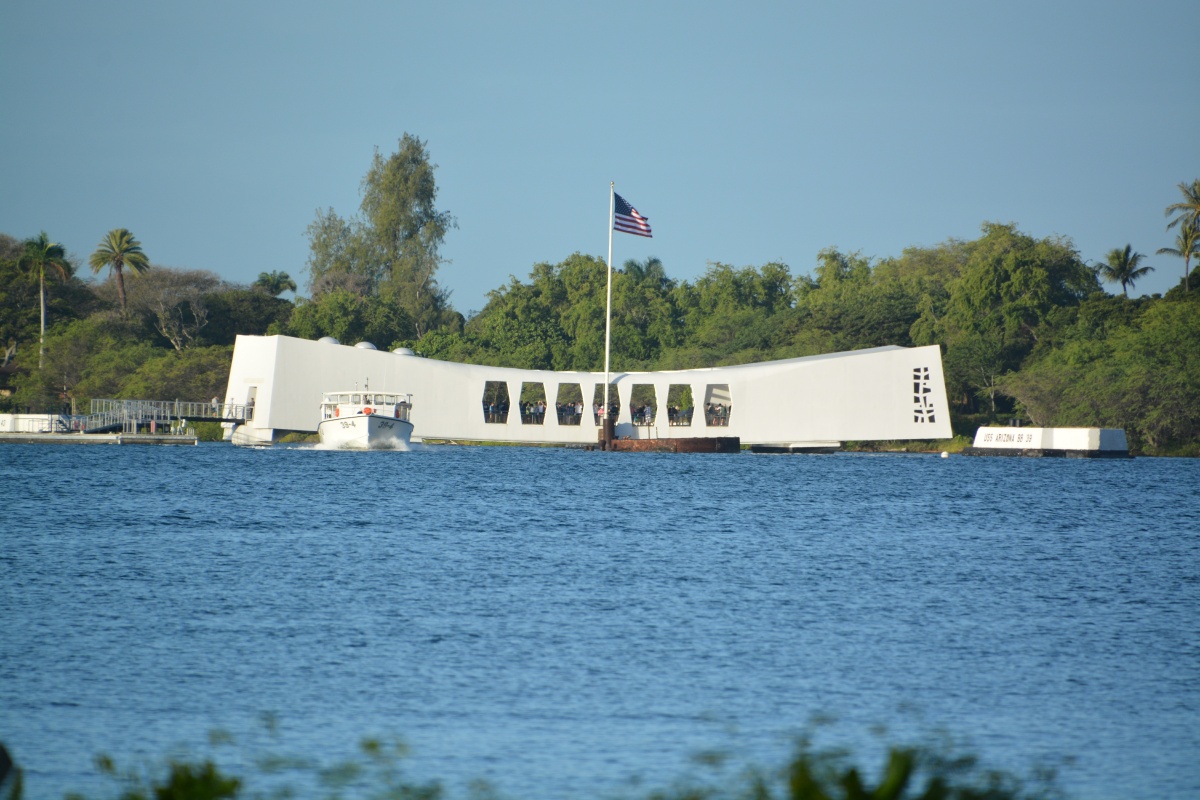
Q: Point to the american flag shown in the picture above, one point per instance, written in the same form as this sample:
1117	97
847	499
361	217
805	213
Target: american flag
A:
626	219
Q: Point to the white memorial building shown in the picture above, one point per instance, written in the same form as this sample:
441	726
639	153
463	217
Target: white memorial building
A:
884	393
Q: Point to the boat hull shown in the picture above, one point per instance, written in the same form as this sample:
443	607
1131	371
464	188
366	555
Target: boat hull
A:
365	432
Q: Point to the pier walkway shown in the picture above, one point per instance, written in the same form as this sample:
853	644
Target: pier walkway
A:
160	417
129	416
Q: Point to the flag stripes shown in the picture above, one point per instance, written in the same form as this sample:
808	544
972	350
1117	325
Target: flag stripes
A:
626	218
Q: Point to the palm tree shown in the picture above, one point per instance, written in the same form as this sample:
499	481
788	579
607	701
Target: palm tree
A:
1189	209
39	253
117	251
275	283
1122	267
1187	244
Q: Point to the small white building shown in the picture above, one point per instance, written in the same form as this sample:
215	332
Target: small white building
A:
1069	442
884	393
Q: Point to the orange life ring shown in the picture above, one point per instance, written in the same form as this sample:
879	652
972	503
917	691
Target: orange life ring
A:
337	412
367	410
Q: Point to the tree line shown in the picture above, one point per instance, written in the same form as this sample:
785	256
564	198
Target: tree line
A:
1026	328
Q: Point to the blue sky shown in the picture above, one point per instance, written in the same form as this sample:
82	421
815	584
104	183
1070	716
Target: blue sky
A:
747	133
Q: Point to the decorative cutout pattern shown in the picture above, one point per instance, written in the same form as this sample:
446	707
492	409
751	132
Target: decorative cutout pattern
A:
922	401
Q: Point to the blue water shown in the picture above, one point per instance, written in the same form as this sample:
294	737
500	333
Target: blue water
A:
565	623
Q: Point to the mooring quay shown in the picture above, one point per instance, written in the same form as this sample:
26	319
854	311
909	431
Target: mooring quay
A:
98	438
121	422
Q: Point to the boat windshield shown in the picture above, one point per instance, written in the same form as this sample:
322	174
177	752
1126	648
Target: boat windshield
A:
346	398
371	399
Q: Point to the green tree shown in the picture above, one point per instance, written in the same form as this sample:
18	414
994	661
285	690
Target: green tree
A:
853	305
275	283
1187	213
234	310
119	250
1130	366
85	359
1124	267
18	299
392	249
195	374
38	255
350	319
340	256
1008	286
1187	210
1187	244
173	302
398	205
731	315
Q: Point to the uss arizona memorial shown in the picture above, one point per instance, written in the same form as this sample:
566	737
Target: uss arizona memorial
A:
884	393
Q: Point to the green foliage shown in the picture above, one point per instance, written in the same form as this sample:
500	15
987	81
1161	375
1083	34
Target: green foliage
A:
376	771
393	249
350	318
1135	367
193	374
208	431
20	304
11	779
170	304
1187	246
1187	210
118	251
275	283
39	256
934	771
340	256
988	320
1024	325
854	305
85	359
236	311
407	229
1124	267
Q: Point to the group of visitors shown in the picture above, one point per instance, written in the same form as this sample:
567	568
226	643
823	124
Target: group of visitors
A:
598	412
641	415
716	414
679	416
496	411
534	413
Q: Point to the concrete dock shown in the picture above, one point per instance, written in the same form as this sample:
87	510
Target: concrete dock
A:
96	438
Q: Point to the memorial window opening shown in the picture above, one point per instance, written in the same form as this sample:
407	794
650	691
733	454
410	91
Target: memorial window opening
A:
643	405
614	403
495	402
679	405
718	405
533	403
569	404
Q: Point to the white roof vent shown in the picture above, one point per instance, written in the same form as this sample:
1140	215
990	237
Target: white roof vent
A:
366	346
328	340
404	351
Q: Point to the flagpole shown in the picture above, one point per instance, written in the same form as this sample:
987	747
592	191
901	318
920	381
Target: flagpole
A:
608	302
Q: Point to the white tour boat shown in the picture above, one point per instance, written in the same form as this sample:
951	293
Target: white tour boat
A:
365	420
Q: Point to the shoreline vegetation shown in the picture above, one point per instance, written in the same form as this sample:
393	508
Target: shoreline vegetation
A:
1027	331
936	769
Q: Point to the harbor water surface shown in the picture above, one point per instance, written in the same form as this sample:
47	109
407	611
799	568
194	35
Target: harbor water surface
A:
564	623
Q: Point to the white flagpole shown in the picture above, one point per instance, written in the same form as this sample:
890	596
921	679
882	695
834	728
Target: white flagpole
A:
608	304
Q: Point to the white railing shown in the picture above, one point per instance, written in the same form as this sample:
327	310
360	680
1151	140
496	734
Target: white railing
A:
130	415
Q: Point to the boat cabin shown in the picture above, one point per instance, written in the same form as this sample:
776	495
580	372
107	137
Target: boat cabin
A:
356	403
